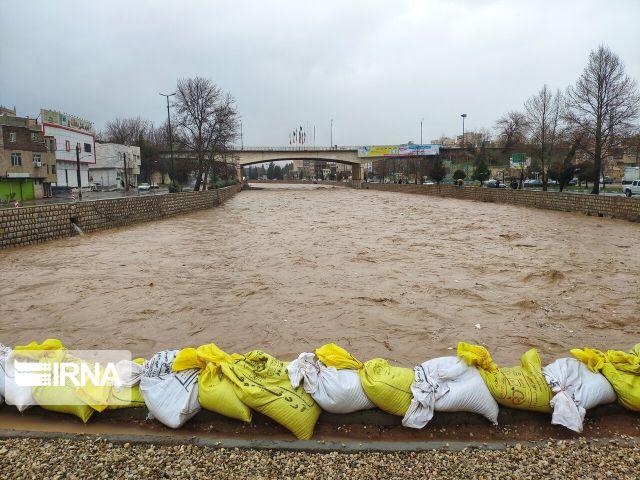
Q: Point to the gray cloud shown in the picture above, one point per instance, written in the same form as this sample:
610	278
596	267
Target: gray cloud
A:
375	67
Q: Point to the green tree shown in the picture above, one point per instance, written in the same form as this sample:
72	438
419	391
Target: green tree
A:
459	175
270	171
277	173
437	170
481	173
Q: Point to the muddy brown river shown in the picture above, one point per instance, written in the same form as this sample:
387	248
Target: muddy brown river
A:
288	268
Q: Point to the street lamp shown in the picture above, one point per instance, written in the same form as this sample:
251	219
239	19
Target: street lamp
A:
331	138
464	115
421	120
167	95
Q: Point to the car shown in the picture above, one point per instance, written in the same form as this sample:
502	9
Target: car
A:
573	182
632	189
532	182
154	186
493	183
144	187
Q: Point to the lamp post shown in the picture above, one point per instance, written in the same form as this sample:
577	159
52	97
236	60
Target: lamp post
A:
421	120
167	95
464	115
241	139
331	137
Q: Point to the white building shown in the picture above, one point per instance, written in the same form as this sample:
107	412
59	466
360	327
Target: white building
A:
70	133
109	170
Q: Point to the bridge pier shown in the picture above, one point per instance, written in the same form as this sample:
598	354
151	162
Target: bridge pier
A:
357	172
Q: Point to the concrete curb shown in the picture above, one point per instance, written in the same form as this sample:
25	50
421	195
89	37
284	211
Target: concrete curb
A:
317	446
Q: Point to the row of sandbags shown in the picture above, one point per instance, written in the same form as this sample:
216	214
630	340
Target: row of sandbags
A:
174	385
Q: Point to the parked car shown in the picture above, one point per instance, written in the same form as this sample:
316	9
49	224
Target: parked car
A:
632	189
96	187
144	187
573	182
493	183
532	182
154	186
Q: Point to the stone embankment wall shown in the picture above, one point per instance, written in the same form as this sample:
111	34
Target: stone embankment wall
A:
596	205
29	225
308	182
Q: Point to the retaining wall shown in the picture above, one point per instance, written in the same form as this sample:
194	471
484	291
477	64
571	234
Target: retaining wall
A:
597	205
40	223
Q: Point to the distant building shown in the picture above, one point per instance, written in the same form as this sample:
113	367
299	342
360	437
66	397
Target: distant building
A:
109	169
70	133
27	160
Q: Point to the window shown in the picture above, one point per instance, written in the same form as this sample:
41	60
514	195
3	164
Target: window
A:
36	158
53	169
12	136
16	159
67	145
87	147
34	137
47	169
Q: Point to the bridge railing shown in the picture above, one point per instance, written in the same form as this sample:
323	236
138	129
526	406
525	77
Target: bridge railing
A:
292	149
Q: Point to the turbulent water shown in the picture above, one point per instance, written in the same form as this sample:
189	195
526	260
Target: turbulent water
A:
404	277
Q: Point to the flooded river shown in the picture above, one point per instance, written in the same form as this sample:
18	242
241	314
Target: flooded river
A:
286	269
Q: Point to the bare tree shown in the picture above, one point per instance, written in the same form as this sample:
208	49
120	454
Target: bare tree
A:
225	131
543	116
511	129
602	106
200	108
127	131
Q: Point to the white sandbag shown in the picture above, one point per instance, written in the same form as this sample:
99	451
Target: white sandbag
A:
576	389
448	384
13	394
171	397
336	391
4	352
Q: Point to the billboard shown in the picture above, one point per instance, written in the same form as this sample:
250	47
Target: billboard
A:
58	118
518	160
407	150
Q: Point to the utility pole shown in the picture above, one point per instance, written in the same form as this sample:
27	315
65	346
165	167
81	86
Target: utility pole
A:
421	120
241	140
126	179
167	95
78	172
464	115
331	141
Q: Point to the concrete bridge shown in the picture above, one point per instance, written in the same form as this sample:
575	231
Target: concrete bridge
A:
243	157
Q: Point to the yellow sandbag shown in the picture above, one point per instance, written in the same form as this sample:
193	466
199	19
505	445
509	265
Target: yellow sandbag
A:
621	369
50	398
262	383
388	387
62	399
215	391
107	397
522	387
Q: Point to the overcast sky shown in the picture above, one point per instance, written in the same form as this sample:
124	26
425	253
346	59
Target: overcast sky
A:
375	67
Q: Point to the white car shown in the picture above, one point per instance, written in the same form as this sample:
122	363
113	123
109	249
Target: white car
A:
631	189
144	187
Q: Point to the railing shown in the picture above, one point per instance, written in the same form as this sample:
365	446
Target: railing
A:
293	149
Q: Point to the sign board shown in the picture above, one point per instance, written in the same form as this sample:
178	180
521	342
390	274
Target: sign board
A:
17	175
58	118
518	160
407	150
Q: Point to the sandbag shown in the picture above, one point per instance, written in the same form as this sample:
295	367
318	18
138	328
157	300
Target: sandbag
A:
388	387
114	397
22	396
448	384
621	369
215	391
576	389
261	382
335	391
171	397
522	387
4	353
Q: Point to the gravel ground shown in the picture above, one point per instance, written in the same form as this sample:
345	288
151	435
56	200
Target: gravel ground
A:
73	459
